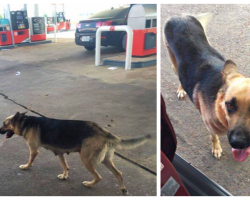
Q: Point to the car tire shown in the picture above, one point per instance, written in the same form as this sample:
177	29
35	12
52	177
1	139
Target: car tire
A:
122	43
90	48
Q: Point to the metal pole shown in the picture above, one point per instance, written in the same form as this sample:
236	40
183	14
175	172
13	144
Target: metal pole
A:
9	16
98	46
129	48
30	28
129	43
46	25
55	39
55	19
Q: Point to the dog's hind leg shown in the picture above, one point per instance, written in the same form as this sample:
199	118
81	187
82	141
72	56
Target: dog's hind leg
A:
180	91
216	148
65	167
90	159
118	174
33	153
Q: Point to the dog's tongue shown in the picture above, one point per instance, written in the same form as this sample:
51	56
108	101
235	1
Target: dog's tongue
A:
241	155
9	134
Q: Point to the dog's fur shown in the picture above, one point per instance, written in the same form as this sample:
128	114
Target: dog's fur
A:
213	84
95	144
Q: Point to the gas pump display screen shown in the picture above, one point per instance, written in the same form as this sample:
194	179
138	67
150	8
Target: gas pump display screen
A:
19	17
38	25
19	20
59	19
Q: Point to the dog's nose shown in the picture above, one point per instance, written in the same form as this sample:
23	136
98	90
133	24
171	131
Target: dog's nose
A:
238	138
238	144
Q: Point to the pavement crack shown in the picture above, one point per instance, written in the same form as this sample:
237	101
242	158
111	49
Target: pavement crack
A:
119	155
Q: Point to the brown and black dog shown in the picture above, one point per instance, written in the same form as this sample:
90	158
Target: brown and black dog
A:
95	144
213	84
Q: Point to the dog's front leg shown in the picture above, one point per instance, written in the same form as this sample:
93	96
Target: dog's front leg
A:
33	153
65	167
180	92
216	148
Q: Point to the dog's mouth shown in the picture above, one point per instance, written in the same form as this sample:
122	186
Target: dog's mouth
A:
9	134
241	155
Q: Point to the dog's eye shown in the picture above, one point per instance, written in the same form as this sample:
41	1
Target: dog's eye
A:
230	107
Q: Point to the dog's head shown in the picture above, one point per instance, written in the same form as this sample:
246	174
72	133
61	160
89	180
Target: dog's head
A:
10	125
236	106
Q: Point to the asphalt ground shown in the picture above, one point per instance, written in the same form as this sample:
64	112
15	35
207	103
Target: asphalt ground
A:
229	33
59	80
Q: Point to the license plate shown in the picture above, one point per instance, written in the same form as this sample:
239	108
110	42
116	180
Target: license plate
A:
85	38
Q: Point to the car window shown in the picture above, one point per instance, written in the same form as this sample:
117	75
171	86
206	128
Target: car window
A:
111	13
123	14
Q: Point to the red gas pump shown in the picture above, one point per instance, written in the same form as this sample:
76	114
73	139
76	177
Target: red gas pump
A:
61	22
142	19
5	33
20	26
50	22
38	32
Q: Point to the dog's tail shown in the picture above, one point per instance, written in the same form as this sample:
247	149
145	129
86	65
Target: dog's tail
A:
204	19
132	143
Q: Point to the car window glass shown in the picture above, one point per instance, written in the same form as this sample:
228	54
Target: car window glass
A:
122	14
108	13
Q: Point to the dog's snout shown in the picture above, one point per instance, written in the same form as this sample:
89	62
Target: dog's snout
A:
239	138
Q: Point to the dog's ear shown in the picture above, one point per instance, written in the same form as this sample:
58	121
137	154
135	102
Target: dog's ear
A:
24	113
15	118
229	68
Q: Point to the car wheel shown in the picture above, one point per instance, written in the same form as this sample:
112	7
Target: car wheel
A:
122	43
90	48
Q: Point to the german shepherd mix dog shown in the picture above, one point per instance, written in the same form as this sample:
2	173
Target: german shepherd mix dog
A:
95	144
213	84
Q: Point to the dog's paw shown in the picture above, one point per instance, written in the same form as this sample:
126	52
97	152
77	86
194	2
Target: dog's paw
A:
181	93
124	192
217	151
88	184
62	176
24	166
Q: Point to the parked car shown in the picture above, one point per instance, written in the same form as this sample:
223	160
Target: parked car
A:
86	29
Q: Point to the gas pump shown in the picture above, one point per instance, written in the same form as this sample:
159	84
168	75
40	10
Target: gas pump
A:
143	20
37	29
50	22
17	28
61	22
5	33
20	26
